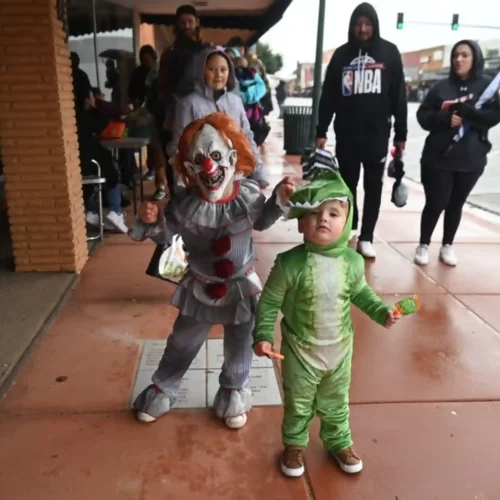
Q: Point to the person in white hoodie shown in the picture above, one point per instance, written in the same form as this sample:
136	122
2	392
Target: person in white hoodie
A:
214	82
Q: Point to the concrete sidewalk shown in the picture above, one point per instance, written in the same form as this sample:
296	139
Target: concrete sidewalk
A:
425	396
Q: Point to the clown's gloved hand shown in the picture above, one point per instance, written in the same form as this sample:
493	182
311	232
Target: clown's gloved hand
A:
148	213
284	191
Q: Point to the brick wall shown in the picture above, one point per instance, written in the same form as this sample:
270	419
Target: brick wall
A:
38	139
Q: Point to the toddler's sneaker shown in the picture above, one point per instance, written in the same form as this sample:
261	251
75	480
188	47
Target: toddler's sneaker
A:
421	255
151	404
349	461
292	461
447	256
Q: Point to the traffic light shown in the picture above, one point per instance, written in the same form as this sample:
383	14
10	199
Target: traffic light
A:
454	22
400	21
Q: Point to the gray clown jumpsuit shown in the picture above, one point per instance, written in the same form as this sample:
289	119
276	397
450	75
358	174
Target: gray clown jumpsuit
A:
221	254
314	287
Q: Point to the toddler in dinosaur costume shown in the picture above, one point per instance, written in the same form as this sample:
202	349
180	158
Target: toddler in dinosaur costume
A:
314	285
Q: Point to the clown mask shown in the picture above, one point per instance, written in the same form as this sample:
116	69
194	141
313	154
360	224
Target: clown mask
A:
212	163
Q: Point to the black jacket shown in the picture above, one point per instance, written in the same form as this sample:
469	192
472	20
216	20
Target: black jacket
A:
137	88
364	86
90	124
440	149
175	65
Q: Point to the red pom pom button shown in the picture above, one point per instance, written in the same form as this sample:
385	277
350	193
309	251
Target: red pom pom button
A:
216	290
223	268
222	246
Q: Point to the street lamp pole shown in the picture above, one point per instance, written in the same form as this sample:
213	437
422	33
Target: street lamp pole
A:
94	29
317	68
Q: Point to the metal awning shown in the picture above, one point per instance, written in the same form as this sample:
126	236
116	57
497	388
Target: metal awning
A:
250	20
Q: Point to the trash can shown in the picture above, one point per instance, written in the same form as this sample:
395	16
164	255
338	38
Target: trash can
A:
297	127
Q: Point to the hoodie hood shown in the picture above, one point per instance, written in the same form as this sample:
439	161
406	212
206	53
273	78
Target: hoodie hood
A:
327	187
199	72
367	10
478	60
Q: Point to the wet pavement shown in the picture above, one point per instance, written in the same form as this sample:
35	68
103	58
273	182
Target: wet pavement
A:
425	395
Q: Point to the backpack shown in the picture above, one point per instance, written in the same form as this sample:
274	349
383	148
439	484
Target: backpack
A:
258	124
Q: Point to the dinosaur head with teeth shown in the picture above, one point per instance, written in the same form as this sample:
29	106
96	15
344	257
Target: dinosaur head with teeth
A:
212	153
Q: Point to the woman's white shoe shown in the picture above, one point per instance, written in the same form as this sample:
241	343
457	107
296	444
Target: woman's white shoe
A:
447	256
421	255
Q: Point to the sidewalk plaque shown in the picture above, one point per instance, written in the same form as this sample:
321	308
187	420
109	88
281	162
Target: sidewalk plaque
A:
215	356
192	392
265	391
201	381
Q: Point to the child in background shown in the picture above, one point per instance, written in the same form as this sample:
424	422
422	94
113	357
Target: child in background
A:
214	83
314	285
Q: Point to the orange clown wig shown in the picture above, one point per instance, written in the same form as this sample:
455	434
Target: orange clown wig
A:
229	129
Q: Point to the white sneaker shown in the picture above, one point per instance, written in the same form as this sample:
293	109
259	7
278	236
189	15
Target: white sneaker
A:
366	249
353	235
117	221
421	255
236	422
447	256
92	219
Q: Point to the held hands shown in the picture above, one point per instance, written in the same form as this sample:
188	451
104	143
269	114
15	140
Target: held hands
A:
321	142
391	318
148	213
266	349
400	145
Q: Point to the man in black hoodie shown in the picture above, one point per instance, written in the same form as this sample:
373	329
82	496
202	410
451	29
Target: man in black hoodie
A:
364	87
176	74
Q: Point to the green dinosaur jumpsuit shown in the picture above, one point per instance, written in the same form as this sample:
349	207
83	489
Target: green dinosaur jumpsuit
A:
314	287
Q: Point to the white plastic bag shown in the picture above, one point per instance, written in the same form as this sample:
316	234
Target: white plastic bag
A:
172	265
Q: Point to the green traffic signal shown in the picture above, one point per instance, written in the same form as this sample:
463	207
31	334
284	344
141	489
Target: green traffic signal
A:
400	19
454	22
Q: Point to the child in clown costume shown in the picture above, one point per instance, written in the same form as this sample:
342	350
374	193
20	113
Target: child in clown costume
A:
314	285
215	216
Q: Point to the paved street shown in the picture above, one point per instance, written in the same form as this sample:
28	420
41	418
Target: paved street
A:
486	195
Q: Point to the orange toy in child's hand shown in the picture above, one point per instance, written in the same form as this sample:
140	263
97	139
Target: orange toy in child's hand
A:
266	349
275	355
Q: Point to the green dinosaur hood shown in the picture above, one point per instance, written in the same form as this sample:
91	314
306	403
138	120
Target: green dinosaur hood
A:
328	186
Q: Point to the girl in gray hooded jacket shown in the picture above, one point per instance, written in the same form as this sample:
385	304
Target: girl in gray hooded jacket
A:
214	83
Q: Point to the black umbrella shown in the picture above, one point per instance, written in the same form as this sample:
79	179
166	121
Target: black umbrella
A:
116	54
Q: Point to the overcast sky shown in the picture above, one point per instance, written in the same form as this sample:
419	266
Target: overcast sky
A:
295	35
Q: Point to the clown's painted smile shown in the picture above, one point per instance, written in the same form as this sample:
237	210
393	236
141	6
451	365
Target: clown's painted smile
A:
215	181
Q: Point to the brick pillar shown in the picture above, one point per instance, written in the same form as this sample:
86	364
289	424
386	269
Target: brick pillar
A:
38	139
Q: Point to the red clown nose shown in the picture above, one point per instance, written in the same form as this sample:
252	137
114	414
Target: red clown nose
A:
208	166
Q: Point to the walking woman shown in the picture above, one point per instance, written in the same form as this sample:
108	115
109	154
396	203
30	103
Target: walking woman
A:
450	168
